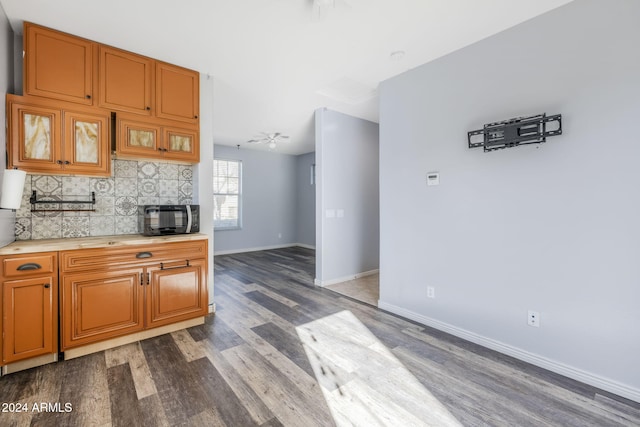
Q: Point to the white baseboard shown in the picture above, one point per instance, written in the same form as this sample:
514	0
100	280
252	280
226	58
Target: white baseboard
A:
304	245
543	362
261	248
345	278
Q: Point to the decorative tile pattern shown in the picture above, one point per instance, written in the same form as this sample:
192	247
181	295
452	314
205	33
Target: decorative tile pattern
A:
169	188
126	187
23	228
126	206
52	208
101	225
105	206
75	226
168	171
117	199
48	227
81	209
47	185
127	225
103	186
186	173
186	189
125	168
147	170
148	188
76	186
148	201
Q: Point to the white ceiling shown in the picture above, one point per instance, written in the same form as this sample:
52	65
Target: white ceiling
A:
270	59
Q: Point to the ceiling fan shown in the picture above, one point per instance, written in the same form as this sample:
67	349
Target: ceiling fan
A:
271	139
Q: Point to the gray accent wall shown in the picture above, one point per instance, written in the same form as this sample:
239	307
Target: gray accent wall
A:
7	217
306	200
347	200
268	201
552	227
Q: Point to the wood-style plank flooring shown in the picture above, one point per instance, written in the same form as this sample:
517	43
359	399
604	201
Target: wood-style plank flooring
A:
279	351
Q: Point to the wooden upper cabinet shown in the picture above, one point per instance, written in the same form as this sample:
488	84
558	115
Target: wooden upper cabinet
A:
58	65
177	93
34	136
87	143
125	81
68	139
152	139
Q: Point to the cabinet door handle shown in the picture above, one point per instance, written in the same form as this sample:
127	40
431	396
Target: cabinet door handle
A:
195	117
88	97
141	279
46	286
59	162
148	278
141	255
29	266
162	267
66	162
148	108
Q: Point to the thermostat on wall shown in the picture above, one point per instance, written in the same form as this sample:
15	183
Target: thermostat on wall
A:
433	178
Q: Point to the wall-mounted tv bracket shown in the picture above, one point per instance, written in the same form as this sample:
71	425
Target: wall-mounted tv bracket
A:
34	201
514	132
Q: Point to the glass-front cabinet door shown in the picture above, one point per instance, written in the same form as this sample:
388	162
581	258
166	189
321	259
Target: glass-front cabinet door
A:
34	134
181	144
87	144
137	138
49	140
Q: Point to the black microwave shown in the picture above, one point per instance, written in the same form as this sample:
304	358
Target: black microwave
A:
159	220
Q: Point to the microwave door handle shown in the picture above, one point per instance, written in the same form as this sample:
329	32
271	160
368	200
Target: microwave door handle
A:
189	218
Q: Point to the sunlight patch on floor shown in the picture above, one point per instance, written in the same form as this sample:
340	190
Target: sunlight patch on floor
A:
362	381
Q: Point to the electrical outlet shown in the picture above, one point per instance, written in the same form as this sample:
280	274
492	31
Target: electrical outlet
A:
533	318
431	292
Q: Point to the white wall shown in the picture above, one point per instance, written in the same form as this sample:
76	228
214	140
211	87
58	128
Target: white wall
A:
554	227
268	201
7	217
347	185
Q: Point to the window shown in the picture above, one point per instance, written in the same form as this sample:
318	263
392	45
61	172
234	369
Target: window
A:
227	194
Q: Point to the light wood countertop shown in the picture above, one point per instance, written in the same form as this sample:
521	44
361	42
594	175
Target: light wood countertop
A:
51	245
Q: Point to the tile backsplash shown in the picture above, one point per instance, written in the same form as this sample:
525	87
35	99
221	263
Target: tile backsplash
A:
117	198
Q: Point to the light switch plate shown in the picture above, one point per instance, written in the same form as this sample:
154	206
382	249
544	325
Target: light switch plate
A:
433	178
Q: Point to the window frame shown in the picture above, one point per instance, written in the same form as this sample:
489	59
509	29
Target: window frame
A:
238	225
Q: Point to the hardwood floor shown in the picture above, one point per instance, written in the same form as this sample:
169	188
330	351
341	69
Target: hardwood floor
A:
279	351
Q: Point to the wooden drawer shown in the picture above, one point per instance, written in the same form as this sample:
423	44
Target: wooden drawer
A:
116	258
43	263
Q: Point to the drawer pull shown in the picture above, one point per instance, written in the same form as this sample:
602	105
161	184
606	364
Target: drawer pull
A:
29	266
141	255
162	267
46	286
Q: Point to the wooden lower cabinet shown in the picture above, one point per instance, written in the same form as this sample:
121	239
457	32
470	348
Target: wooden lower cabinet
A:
154	286
176	292
101	305
29	320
